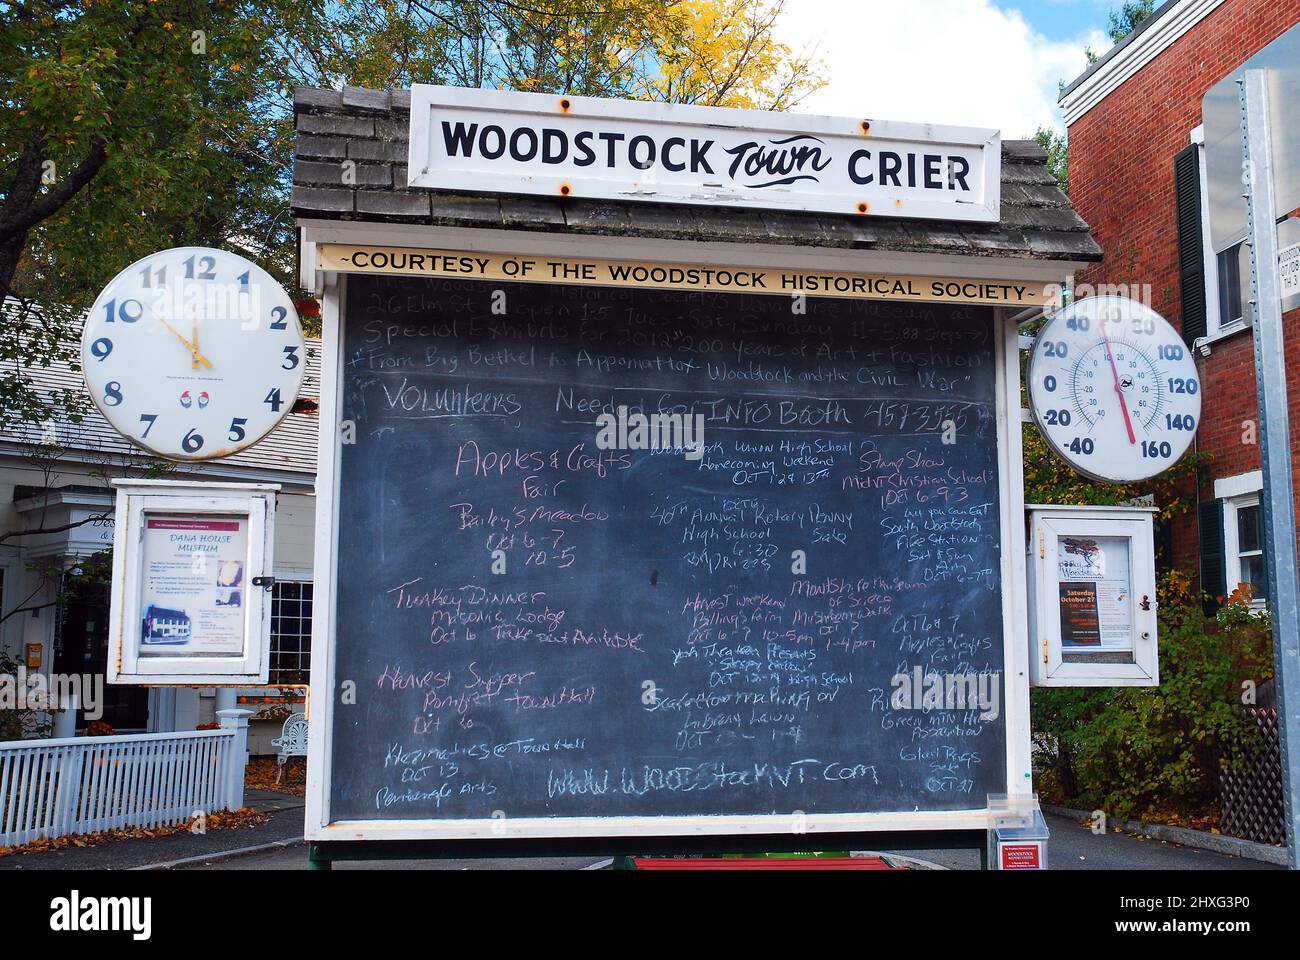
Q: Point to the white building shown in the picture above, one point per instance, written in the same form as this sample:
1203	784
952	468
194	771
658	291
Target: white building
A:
56	623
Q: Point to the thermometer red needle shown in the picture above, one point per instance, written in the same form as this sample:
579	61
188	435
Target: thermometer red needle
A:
1123	404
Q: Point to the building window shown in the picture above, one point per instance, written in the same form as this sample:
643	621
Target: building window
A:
1243	536
291	605
1231	300
1223	280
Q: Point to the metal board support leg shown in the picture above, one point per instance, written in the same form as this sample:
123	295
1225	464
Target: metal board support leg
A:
1275	434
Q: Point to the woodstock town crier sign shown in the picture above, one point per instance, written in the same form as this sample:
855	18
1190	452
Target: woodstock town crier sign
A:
498	141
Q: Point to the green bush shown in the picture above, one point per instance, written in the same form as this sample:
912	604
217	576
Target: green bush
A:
16	723
1138	749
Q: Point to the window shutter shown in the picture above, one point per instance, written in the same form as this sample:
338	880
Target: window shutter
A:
1213	561
1191	265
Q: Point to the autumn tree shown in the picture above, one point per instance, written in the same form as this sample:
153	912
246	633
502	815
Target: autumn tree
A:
708	52
135	125
128	126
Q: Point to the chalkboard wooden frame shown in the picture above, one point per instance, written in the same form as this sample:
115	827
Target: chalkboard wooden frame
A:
684	830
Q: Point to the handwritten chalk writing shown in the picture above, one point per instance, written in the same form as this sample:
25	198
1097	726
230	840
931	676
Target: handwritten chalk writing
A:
631	567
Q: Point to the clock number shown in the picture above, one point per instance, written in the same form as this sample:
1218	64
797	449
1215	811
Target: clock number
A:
1162	449
1187	385
192	441
101	348
1049	383
279	322
290	358
1078	323
149	274
1057	417
1143	327
1055	348
147	418
237	429
112	393
273	398
243	278
1174	421
205	272
1082	445
112	311
1170	351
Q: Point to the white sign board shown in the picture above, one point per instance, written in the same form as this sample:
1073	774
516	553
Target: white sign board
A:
581	147
1221	116
185	607
1289	266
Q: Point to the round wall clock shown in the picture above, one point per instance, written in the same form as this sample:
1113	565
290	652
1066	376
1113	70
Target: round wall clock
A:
193	353
1113	389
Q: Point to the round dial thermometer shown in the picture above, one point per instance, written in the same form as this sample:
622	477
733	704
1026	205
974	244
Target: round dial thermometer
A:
1114	389
193	353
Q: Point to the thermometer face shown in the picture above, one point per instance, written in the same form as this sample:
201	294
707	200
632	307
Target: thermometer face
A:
1113	389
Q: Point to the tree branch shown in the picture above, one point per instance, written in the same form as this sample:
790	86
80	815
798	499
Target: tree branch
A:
23	191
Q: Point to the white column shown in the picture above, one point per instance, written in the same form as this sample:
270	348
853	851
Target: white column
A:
236	720
65	720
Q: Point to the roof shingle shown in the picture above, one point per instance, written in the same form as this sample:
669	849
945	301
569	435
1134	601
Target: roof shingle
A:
370	128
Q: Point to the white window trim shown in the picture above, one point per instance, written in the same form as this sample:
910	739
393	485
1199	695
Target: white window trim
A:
1238	492
1215	328
1239	484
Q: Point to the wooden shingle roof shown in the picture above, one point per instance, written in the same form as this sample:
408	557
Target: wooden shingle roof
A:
370	127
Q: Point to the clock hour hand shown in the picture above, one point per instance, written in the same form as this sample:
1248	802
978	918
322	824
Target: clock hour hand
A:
195	356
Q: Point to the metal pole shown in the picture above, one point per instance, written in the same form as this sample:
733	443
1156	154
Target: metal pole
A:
1275	434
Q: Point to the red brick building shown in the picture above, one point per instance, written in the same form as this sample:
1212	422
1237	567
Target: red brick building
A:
1137	176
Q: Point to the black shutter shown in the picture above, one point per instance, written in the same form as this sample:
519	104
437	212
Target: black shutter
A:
1213	562
1191	265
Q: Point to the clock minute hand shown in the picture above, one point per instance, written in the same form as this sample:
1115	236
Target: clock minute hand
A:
194	352
1123	404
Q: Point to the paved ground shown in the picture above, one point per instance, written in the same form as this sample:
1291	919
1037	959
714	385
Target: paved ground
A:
285	825
1076	847
1072	847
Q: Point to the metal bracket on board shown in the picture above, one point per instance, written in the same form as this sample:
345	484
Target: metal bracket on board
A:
266	583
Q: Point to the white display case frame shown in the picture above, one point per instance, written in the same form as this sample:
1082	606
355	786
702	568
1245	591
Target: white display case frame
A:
138	500
1051	665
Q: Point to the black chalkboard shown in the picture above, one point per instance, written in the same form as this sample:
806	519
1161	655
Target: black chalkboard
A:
650	648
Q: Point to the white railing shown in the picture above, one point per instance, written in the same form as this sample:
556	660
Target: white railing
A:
54	788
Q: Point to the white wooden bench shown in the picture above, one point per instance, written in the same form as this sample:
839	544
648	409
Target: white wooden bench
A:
292	741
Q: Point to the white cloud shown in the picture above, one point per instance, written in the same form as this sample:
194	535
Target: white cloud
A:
966	62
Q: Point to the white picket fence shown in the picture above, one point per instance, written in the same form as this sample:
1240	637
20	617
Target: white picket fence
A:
72	785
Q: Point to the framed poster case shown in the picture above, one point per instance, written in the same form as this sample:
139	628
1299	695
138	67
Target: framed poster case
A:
191	583
1093	597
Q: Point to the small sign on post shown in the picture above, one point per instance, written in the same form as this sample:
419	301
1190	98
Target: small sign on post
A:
191	582
1018	834
1288	261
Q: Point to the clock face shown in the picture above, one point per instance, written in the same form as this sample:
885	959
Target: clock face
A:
193	353
1113	389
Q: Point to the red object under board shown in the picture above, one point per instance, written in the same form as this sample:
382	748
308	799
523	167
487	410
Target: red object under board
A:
771	863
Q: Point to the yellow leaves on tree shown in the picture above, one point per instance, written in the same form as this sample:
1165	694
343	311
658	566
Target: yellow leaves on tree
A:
725	53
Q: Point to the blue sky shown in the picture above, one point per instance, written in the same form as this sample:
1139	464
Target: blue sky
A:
979	63
1062	19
